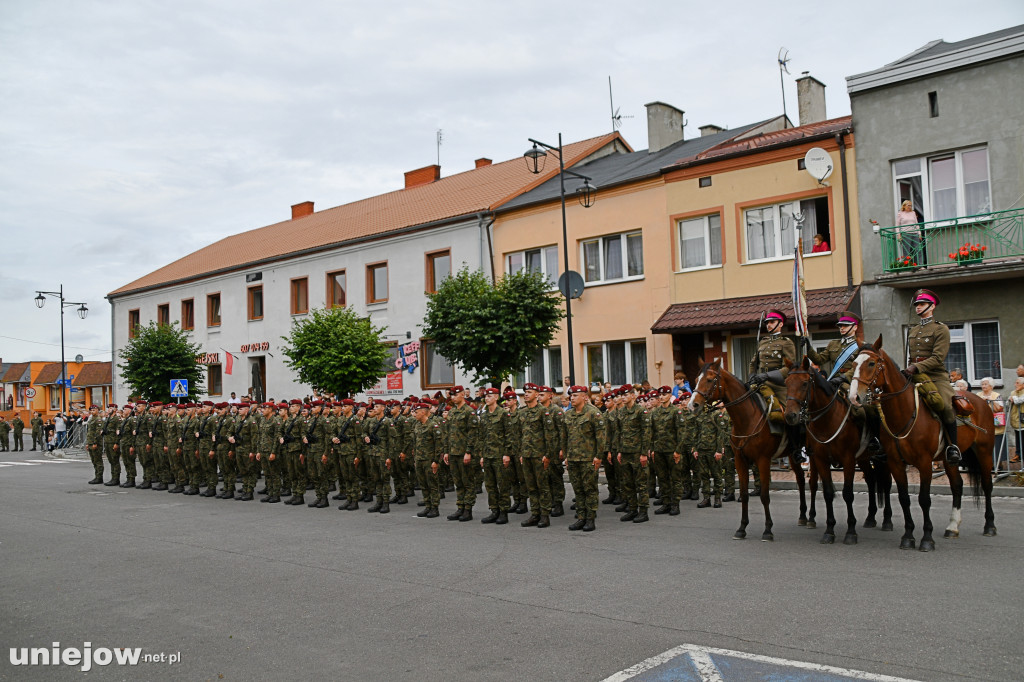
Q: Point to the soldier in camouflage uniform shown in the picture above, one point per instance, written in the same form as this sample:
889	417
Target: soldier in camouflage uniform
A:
111	422
157	439
375	447
518	490
460	433
207	453
538	436
5	434
556	470
222	430
426	443
37	431
172	449
94	443
394	463
494	445
349	445
268	447
584	446
633	434
666	419
126	444
334	424
317	443
290	442
611	470
144	444
189	444
240	443
18	427
708	441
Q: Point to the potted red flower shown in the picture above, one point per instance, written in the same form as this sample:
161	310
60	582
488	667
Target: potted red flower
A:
968	253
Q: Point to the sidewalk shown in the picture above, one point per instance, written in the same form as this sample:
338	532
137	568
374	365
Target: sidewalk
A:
1003	487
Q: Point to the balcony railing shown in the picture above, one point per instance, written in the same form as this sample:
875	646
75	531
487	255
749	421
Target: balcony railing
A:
997	234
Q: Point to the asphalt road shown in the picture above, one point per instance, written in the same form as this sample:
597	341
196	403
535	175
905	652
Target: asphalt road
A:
242	590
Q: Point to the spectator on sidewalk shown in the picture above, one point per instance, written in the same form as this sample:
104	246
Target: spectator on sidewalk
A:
995	402
1017	417
60	427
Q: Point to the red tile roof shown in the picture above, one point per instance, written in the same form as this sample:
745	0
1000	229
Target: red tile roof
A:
15	373
823	305
49	374
94	374
481	189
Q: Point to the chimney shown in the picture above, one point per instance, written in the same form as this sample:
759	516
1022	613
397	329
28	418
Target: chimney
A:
710	129
422	176
481	162
302	210
810	97
664	126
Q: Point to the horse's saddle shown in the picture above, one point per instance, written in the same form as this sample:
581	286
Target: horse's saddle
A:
930	395
962	406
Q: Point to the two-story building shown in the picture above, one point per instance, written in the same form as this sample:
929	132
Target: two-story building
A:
943	128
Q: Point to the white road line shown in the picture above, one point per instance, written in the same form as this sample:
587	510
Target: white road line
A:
20	464
50	461
699	654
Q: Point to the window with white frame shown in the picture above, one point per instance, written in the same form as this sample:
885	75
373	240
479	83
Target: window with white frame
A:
543	260
613	258
616	362
700	242
773	232
974	348
944	186
545	368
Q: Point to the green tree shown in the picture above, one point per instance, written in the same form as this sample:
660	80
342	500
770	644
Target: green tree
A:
156	356
492	331
336	351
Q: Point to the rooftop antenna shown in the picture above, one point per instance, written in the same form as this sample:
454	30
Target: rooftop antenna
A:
783	59
616	116
440	140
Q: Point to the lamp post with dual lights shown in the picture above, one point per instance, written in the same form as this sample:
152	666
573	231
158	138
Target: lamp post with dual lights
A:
82	312
536	157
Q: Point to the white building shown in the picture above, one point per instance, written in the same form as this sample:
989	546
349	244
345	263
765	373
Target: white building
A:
239	296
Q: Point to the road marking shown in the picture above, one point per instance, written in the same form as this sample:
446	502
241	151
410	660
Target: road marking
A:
700	658
20	464
51	461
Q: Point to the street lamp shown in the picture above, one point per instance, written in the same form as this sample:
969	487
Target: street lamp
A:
536	157
82	311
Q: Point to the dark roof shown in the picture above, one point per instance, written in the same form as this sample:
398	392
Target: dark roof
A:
939	47
94	374
17	373
617	169
823	305
49	374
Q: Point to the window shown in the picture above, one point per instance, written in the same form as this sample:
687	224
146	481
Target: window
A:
256	302
612	258
439	267
163	314
945	186
213	310
133	322
974	348
772	232
933	104
336	289
545	368
214	384
188	314
616	362
704	182
436	371
377	282
700	242
543	260
300	296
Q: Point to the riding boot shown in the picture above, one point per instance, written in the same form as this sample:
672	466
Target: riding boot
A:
952	451
874	424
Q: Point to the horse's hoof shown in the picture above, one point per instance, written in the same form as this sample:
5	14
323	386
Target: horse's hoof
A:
740	535
907	543
828	538
951	534
767	537
850	539
812	524
927	546
887	525
805	522
990	532
871	523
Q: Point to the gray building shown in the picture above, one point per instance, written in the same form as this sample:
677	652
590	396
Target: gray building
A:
943	128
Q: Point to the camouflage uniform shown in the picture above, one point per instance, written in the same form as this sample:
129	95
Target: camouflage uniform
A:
94	445
37	432
538	435
460	434
318	442
109	433
268	444
189	451
395	466
633	424
207	426
158	441
374	447
144	447
611	466
175	451
584	441
18	427
126	444
349	451
426	442
518	490
665	423
494	443
556	470
290	445
711	433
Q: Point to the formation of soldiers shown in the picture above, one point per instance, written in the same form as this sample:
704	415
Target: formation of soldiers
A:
382	452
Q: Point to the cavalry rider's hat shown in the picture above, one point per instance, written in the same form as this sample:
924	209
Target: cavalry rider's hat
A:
775	314
847	317
926	296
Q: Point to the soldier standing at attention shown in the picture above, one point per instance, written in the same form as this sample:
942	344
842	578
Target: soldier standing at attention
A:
539	437
556	471
426	443
665	422
317	442
93	444
374	446
207	453
927	347
517	481
339	438
189	444
5	434
109	433
584	446
266	453
172	449
158	446
18	427
291	445
611	472
494	443
37	430
239	447
632	456
460	431
126	444
394	466
144	443
350	441
711	431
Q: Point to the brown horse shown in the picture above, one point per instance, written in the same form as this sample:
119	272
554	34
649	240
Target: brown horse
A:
911	434
752	439
834	436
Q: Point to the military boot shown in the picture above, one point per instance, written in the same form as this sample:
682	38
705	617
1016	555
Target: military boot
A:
423	513
663	509
274	499
629	516
467	515
578	525
314	503
622	507
246	497
395	499
557	509
718	501
112	482
952	451
674	509
130	483
502	519
455	515
339	496
402	499
159	485
229	494
490	518
177	489
322	503
96	480
433	513
376	505
532	521
641	516
145	485
544	521
209	492
353	505
704	503
588	526
731	497
385	507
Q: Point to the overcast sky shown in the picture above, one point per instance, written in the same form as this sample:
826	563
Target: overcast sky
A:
134	132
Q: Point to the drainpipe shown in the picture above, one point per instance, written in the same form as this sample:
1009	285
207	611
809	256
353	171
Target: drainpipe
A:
846	210
481	217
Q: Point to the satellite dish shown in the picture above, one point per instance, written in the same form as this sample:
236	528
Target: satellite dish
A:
818	163
79	358
571	284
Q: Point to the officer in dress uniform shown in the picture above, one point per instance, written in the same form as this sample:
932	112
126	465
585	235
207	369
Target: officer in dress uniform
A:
927	347
768	369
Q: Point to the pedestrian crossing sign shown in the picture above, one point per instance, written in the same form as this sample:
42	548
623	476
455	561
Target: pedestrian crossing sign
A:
179	388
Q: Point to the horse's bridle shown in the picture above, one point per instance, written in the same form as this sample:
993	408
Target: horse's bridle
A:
874	395
810	417
715	389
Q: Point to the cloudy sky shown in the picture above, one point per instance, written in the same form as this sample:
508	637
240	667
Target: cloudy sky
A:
133	132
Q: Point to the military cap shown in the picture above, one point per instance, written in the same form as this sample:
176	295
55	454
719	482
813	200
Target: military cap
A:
664	389
926	296
531	387
684	394
221	406
348	401
156	403
455	390
609	396
625	388
113	405
847	317
775	314
94	406
491	391
573	390
421	406
207	403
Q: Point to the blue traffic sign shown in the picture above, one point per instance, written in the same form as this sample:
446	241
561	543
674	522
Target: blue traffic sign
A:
179	388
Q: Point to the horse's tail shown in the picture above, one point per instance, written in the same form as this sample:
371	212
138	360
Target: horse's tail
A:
883	482
970	460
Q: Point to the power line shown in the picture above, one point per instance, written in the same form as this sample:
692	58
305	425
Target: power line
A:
57	345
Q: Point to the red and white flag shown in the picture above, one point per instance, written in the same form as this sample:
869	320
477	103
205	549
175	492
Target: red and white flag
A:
799	292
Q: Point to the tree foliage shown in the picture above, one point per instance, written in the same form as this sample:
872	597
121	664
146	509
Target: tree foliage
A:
492	331
158	355
336	351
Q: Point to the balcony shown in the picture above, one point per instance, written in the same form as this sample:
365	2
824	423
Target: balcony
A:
979	247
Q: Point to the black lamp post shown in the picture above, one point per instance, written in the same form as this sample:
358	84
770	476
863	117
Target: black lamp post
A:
536	157
82	312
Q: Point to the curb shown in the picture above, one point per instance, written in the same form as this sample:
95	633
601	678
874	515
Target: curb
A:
913	488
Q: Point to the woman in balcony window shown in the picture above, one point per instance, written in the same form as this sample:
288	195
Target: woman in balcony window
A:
910	238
